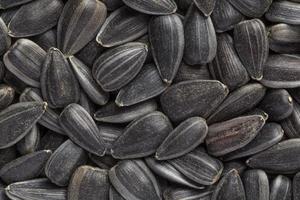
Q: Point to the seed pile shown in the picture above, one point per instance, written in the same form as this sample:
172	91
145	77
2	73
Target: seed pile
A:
150	100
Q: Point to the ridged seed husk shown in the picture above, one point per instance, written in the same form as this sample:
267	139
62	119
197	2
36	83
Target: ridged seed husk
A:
229	187
282	158
79	23
46	40
252	8
200	38
205	6
285	12
114	195
296	186
26	23
113	4
123	25
17	120
30	142
25	59
252	45
63	162
146	85
110	134
5	40
41	189
118	66
59	85
187	72
180	193
282	71
89	183
166	35
111	113
256	185
291	124
284	38
25	167
81	129
238	102
134	181
183	139
152	7
51	141
281	188
135	143
199	167
268	136
228	136
4	4
87	82
7	95
227	66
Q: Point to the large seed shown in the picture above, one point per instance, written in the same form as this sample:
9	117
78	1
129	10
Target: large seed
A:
30	142
152	7
7	95
135	143
256	185
285	12
252	8
281	188
187	73
291	125
178	193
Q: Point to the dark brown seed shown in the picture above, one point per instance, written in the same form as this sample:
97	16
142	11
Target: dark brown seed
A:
90	53
284	11
296	186
205	6
152	7
291	125
256	185
26	167
63	162
252	8
281	188
30	142
7	155
187	73
7	95
135	143
46	40
192	98
180	193
4	4
51	141
114	195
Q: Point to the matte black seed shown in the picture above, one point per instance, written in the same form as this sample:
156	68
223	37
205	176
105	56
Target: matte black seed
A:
152	7
205	6
180	193
256	185
284	11
252	8
30	142
4	4
90	52
7	155
187	73
291	124
281	188
46	40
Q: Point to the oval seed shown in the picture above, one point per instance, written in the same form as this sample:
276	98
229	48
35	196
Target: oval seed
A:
281	188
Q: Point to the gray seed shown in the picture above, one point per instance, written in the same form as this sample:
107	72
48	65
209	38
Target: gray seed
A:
5	40
285	12
7	155
78	24
118	66
46	40
30	142
113	4
187	72
205	6
104	162
281	188
51	141
239	166
252	8
89	183
4	4
296	186
291	125
110	134
25	167
134	181
114	195
152	7
7	95
179	193
63	162
123	25
135	143
27	23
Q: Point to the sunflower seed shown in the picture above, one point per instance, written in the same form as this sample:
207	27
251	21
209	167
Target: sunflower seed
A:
228	136
192	98
252	8
4	4
132	25
89	85
118	66
187	72
282	71
25	167
206	6
145	86
281	158
285	12
239	166
89	183
51	141
27	23
17	120
113	4
134	142
238	102
291	124
86	103
110	134
179	193
152	7
166	35
134	181
256	185
40	189
4	38
114	195
257	111
46	40
7	95
10	79
251	43
281	188
200	38
30	142
183	139
104	162
7	155
227	67
90	52
145	39
24	59
296	186
63	162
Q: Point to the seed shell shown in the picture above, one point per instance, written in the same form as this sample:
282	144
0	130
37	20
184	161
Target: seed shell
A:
90	52
114	195
110	134
4	4
30	142
7	155
180	193
51	141
281	188
291	124
187	73
252	8
46	40
104	162
152	7
5	40
113	4
239	166
205	6
285	12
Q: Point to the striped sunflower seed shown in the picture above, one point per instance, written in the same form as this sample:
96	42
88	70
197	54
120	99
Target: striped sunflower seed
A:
114	195
7	95
89	183
5	40
30	142
227	67
192	98
46	40
252	8
123	25
291	124
113	4
118	66
180	193
146	85
296	186
81	128
134	180
166	35
78	24
4	4
27	23
87	83
252	45
206	6
17	120
63	162
41	189
239	166
285	12
281	188
59	85
7	155
25	167
110	134
228	136
104	162
134	142
51	141
183	139
90	52
200	38
152	7
187	73
24	59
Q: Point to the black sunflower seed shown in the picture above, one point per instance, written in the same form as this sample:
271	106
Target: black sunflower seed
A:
285	12
113	4
187	72
30	142
4	38
114	195
152	7
252	8
4	4
46	40
205	6
239	166
104	162
180	193
110	134
291	124
281	188
51	141
7	155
